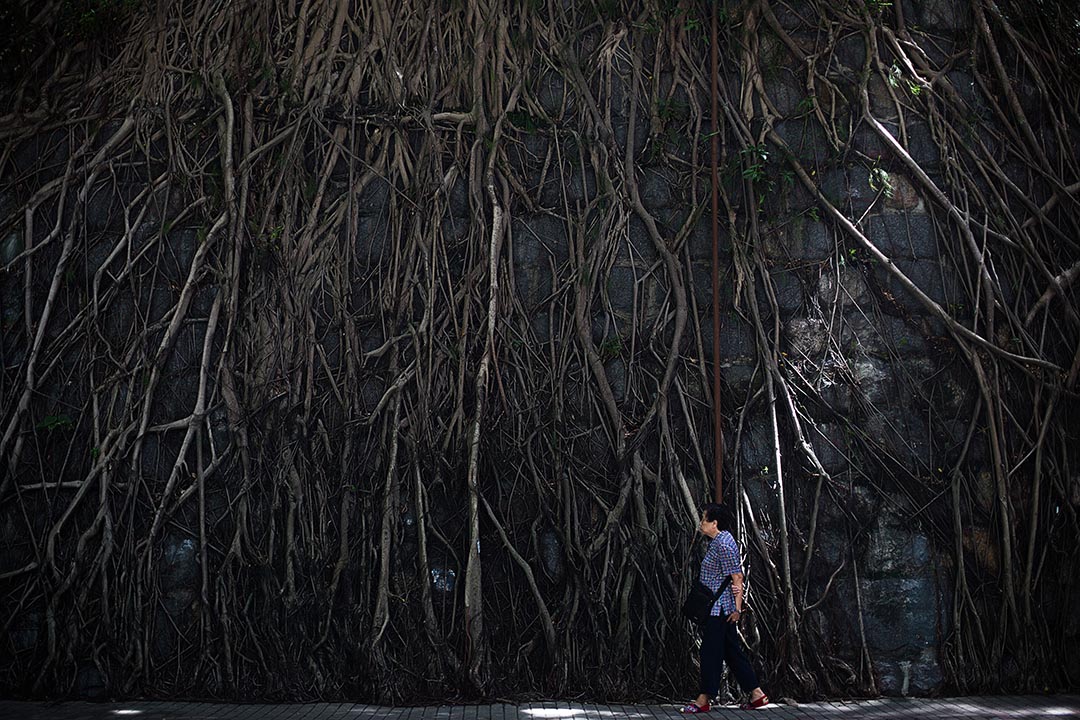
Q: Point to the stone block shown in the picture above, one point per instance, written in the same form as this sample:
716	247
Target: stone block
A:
881	99
533	148
882	337
97	252
659	188
552	556
621	92
927	677
838	396
371	392
902	195
806	140
787	94
830	445
454	230
849	189
615	370
1034	105
922	147
577	183
182	362
738	377
25	630
844	285
940	49
700	284
902	339
162	299
459	198
920	370
11	244
372	233
736	338
957	391
872	378
908	435
899	431
604	334
756	449
653	304
671	221
921	676
538	238
178	252
904	235
642	248
788	290
867	141
89	684
622	284
851	51
794	16
374	199
761	487
945	16
701	243
540	324
43	154
895	550
819	241
807	337
799	198
620	126
785	242
675	147
900	615
964	85
533	284
530	149
102	209
551	93
931	277
179	572
832	547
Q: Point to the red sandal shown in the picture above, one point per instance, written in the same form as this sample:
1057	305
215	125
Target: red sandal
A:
754	705
694	708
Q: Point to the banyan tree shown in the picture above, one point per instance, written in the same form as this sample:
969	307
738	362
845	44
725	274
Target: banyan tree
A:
388	349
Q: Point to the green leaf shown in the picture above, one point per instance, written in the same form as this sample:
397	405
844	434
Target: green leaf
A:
51	422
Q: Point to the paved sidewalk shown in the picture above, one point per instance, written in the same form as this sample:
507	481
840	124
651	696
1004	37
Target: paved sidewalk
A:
999	707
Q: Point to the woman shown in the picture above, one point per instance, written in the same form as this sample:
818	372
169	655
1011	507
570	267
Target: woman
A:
720	638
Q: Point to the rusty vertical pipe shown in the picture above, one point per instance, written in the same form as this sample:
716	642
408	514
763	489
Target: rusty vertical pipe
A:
718	434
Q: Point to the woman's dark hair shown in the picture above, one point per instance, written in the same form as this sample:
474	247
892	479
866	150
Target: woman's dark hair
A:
719	513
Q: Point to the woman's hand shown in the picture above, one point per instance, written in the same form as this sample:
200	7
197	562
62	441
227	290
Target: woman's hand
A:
734	617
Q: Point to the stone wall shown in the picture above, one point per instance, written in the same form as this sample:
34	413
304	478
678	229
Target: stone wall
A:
885	399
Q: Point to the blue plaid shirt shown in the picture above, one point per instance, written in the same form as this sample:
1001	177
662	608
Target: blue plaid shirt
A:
721	560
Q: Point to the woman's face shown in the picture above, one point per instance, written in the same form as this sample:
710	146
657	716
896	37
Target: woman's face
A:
708	527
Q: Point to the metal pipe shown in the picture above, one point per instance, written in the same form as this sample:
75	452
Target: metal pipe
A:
718	433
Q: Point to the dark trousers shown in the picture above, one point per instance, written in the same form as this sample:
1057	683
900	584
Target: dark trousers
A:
719	643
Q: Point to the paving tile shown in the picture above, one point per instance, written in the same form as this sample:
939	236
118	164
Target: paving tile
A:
1016	707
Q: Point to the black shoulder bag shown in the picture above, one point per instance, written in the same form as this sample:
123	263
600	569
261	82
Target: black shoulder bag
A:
699	602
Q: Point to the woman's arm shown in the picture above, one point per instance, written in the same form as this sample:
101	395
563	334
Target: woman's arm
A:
737	590
737	595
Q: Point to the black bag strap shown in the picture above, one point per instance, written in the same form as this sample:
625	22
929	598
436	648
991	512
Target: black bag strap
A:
723	587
